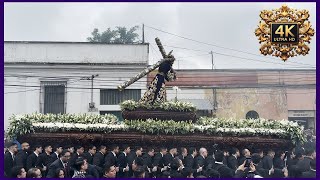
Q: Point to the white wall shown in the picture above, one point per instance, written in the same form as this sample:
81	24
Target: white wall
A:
83	52
22	99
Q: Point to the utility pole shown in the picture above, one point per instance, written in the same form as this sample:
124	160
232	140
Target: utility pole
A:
91	104
211	59
142	33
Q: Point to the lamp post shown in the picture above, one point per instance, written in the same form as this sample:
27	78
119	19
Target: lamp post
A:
176	88
91	104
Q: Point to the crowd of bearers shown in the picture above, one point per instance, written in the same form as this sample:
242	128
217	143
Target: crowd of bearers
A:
164	162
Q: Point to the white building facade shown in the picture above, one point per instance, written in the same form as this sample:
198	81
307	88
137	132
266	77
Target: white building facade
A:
55	77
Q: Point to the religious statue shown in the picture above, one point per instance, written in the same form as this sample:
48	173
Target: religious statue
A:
156	92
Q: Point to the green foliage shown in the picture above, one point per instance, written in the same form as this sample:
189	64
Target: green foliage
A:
19	125
72	118
166	106
121	35
281	128
23	124
160	127
29	123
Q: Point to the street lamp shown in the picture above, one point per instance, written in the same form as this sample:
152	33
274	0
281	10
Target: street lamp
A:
176	88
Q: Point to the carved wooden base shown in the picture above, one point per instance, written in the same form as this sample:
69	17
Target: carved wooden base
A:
158	114
146	140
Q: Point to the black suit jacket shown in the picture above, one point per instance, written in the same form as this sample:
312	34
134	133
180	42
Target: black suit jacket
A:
241	160
267	162
183	159
53	167
122	164
98	159
309	174
189	162
304	164
31	161
9	163
200	162
92	171
209	162
72	160
89	157
232	163
292	166
110	159
158	160
21	159
225	171
131	157
278	163
147	160
168	159
43	160
98	162
225	160
53	157
175	174
262	172
292	162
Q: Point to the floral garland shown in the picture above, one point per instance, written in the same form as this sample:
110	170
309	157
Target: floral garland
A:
24	124
58	127
28	123
70	118
166	106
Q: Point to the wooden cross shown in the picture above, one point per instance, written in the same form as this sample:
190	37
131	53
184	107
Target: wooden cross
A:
166	57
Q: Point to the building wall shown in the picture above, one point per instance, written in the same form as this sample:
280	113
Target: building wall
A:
236	103
271	93
75	52
65	62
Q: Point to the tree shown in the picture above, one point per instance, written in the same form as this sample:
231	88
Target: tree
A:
120	35
95	36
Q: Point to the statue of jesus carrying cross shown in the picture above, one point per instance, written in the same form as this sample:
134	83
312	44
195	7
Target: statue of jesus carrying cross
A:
156	92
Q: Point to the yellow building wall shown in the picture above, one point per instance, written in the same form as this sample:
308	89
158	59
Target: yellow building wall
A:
268	103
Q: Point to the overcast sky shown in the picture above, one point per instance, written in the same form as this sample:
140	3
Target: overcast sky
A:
226	25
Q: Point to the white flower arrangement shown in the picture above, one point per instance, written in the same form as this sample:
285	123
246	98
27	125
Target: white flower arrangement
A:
81	127
24	124
167	106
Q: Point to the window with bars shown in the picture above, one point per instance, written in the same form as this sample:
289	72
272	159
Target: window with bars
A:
114	96
53	97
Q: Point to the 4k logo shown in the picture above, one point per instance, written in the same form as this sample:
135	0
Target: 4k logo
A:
284	33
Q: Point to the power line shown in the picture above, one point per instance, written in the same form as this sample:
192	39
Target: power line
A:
274	79
185	48
210	44
193	80
13	92
309	65
184	57
249	59
187	93
192	74
243	86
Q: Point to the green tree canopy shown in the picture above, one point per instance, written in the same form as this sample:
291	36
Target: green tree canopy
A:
119	35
